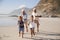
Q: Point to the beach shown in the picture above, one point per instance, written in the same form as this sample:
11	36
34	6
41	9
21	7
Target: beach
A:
49	29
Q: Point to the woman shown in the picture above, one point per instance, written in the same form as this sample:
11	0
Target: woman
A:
24	15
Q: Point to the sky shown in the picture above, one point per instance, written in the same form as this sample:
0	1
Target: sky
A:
7	6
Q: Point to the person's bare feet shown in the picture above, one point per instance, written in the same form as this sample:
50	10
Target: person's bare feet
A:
19	36
31	36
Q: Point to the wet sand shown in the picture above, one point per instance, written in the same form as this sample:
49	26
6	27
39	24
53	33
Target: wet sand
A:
49	30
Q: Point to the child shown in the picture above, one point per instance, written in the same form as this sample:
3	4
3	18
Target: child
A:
21	26
32	26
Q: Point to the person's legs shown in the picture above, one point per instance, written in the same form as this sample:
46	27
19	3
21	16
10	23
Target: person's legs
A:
26	26
36	21
31	32
37	26
19	32
22	32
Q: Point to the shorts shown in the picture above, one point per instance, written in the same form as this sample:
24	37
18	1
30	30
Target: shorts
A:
31	28
21	29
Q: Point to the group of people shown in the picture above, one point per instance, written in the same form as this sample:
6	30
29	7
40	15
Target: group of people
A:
23	22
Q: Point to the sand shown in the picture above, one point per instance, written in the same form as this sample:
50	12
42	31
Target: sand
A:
49	30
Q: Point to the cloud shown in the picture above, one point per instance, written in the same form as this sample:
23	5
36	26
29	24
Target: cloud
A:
21	6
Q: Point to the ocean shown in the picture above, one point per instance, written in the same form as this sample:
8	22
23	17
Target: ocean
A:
6	21
46	24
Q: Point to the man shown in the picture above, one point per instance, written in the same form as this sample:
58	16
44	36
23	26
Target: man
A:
34	13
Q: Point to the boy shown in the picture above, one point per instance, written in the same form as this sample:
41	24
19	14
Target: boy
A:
21	26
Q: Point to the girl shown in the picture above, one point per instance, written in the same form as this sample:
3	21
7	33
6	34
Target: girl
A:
21	26
32	26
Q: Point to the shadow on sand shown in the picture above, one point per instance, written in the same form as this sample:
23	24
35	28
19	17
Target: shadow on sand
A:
42	38
49	34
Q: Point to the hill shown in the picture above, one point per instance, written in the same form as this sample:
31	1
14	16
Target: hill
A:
48	8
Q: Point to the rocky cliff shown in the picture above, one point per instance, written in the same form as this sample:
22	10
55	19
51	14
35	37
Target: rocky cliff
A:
48	8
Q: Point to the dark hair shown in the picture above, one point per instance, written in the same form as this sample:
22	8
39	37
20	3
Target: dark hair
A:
35	10
32	16
20	17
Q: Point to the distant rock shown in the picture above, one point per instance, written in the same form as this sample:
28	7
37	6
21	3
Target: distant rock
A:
18	12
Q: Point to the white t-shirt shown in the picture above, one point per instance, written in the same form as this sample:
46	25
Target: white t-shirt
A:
25	16
34	14
32	25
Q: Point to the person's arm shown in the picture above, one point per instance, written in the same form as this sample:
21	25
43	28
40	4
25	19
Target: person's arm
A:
18	22
28	22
